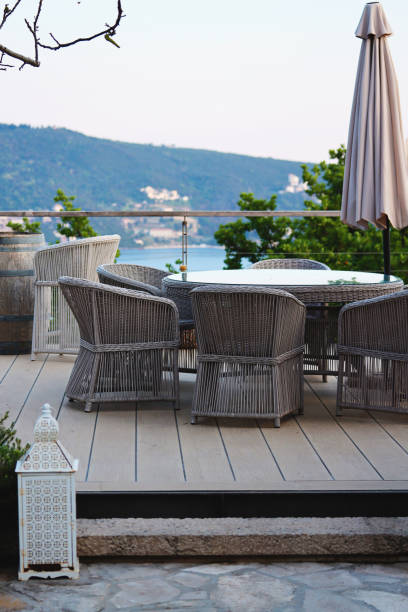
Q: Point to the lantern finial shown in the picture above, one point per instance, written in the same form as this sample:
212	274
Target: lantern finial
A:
46	428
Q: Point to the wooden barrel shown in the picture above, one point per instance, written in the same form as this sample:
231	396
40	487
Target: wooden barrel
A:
17	290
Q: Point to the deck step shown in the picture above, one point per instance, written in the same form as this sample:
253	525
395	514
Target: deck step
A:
320	538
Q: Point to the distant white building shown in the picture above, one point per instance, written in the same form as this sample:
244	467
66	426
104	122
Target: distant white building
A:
162	194
294	185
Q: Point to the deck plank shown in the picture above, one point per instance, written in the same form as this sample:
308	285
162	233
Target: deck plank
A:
396	426
283	485
248	452
17	384
294	454
113	452
204	455
76	433
388	458
6	361
338	452
158	452
49	388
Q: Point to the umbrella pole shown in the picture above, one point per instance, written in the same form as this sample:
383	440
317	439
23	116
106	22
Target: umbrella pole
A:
386	249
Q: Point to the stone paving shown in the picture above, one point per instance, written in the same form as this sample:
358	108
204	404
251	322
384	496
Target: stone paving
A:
230	586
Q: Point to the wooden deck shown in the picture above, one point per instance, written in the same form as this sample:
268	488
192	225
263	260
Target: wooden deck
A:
151	447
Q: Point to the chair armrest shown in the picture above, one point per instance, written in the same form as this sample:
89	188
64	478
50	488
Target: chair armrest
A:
376	324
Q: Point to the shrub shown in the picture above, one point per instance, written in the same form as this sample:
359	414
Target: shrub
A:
10	451
26	227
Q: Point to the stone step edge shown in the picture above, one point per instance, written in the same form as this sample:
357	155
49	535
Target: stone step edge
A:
280	537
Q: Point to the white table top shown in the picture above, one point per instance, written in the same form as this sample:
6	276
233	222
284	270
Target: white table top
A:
284	277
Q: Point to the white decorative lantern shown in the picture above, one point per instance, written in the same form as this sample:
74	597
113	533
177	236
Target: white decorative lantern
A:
46	505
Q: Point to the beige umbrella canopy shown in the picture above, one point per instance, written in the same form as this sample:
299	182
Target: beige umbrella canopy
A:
375	188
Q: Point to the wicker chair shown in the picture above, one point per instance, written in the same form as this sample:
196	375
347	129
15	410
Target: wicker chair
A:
250	352
132	276
143	278
128	347
305	264
55	329
373	350
321	322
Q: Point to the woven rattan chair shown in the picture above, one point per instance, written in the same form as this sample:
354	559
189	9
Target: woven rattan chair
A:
55	329
373	350
250	352
143	278
321	322
305	264
128	347
132	276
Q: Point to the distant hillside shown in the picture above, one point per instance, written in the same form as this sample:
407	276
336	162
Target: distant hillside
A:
35	162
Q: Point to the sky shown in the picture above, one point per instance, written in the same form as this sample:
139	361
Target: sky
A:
271	78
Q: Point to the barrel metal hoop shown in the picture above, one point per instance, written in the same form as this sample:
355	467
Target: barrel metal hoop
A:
23	238
17	249
16	272
16	317
15	348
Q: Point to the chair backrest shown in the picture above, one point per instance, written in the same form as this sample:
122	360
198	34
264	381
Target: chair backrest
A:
132	276
378	324
305	264
79	258
113	315
247	320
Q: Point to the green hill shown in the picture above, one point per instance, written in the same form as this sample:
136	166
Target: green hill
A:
35	162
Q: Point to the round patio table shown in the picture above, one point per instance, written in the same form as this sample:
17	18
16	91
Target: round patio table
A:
323	292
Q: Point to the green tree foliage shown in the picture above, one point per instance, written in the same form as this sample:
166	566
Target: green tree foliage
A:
325	239
10	451
25	227
328	239
72	227
171	268
253	237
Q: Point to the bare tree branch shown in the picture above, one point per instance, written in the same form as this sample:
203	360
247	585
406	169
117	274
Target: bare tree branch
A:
56	41
109	30
33	27
18	56
8	11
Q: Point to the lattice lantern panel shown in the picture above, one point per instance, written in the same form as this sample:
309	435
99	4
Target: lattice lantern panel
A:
46	483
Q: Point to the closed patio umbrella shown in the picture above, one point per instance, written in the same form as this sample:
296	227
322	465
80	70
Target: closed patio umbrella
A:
375	188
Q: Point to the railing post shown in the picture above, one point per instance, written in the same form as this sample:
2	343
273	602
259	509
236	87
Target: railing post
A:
184	246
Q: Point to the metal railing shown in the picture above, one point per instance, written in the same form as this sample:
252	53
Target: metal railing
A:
184	215
169	213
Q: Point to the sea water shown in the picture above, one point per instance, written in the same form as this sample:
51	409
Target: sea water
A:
198	258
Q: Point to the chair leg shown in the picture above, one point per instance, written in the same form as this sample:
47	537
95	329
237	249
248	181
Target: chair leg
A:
276	422
193	420
176	381
324	377
339	410
92	382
